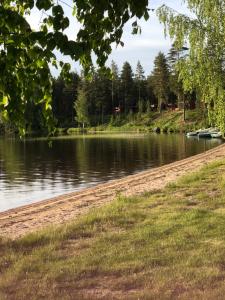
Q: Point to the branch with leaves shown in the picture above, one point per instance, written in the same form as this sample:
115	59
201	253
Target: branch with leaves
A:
27	55
204	68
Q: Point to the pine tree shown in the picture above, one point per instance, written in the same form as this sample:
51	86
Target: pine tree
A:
127	84
150	91
176	84
115	84
160	77
102	94
139	79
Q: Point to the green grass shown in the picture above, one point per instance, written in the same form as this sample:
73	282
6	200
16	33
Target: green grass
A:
168	244
168	121
172	121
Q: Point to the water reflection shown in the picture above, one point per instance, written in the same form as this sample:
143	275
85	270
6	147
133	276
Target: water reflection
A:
31	170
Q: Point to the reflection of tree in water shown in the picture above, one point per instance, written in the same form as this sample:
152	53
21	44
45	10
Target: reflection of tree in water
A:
75	162
10	155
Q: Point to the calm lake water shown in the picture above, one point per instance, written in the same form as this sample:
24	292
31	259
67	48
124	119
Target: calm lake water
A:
31	170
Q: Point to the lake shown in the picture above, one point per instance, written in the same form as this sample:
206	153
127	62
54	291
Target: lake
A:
32	170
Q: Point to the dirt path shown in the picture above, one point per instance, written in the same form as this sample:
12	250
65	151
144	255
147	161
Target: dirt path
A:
19	221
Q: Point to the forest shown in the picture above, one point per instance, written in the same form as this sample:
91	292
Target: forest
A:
82	101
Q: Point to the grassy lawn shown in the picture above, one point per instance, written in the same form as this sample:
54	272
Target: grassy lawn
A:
169	244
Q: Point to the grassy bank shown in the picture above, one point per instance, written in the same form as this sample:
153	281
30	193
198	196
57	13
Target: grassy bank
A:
168	121
168	244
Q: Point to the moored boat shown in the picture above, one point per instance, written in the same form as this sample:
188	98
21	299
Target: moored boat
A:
192	133
205	134
216	135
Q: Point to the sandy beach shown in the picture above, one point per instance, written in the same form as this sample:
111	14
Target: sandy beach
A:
19	221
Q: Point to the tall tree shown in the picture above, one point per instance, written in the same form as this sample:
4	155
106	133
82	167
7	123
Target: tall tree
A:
63	97
127	84
115	84
203	69
160	76
81	107
102	94
176	84
150	91
140	80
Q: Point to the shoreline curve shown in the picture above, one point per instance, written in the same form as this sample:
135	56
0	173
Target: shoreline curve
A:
17	222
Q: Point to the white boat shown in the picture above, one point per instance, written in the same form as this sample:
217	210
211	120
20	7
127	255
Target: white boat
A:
192	133
216	135
206	133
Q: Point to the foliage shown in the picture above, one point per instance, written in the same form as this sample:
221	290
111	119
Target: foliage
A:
81	108
203	68
127	85
175	83
101	92
26	55
148	107
140	106
160	77
140	80
105	97
63	96
115	85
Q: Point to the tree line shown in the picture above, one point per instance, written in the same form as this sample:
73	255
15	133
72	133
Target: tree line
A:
92	101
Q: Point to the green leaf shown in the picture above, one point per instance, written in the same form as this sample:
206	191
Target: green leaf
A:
5	101
43	4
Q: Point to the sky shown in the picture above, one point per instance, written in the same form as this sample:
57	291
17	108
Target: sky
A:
143	47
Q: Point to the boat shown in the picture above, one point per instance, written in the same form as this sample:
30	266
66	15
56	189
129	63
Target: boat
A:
216	135
205	134
192	133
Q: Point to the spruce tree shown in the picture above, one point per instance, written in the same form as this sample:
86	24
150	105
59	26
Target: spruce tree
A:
139	79
127	85
160	76
115	84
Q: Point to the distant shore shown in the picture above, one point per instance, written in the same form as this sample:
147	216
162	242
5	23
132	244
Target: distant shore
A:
19	221
166	122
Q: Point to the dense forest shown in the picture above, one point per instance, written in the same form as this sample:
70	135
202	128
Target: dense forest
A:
95	100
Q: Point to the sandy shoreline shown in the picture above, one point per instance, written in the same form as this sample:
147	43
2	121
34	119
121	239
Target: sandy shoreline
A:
19	221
